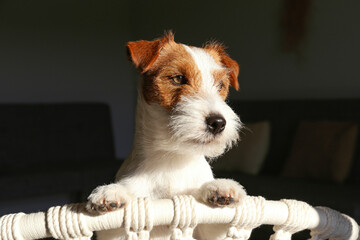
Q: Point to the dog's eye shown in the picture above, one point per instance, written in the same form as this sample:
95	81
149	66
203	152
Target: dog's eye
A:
179	80
221	85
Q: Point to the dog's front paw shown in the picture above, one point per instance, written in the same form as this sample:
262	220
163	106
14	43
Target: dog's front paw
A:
107	198
222	192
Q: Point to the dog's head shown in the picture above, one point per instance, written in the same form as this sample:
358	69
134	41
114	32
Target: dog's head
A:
191	85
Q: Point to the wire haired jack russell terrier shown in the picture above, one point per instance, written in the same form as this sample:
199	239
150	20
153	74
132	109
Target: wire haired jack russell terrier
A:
181	120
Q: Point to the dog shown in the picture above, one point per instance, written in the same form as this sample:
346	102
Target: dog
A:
182	121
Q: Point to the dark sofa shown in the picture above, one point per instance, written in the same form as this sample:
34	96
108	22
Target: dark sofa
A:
284	118
52	149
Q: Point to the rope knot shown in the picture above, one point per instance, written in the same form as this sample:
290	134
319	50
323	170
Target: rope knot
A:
67	222
281	235
184	220
144	235
248	215
138	219
232	233
132	236
238	234
176	234
9	227
298	219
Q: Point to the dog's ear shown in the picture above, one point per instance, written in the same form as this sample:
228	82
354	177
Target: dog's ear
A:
144	53
229	63
234	70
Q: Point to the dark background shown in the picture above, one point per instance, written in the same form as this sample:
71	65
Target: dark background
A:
73	51
56	51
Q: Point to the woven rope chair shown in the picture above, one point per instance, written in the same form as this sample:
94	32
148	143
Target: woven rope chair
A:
182	214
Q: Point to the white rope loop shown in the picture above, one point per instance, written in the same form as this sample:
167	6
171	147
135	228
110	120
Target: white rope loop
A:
185	220
5	229
249	215
138	219
338	226
15	226
75	221
298	219
67	222
9	227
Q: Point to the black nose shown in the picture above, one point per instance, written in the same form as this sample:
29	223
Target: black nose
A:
215	123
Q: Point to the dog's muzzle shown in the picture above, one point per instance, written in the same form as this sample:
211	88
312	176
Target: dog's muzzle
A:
206	123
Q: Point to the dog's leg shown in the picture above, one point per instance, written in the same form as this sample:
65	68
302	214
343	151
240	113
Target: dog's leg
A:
108	198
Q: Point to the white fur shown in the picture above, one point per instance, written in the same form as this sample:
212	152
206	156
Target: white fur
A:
206	64
189	129
168	156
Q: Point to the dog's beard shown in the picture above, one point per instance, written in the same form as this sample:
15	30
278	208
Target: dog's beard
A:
188	127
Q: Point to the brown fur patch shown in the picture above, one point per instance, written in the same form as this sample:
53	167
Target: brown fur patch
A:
221	78
217	51
173	60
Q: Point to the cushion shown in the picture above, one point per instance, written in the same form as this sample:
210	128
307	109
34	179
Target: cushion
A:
322	150
248	156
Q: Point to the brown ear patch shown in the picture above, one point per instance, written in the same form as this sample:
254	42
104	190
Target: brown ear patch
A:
217	50
144	53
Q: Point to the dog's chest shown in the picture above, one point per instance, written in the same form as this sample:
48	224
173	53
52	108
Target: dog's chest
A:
170	181
168	184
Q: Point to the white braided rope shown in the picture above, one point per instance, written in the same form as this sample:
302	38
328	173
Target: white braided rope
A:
9	227
182	214
298	219
184	221
249	215
5	228
67	222
138	219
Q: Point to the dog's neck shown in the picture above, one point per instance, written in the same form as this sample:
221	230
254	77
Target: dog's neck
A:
153	144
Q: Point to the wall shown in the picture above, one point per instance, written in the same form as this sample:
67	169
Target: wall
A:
69	51
324	67
56	51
